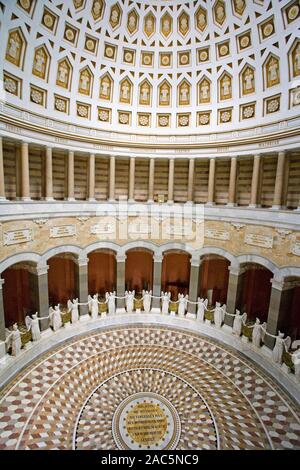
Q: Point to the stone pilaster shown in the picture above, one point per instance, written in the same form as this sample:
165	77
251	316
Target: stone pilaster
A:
40	294
194	285
121	260
279	299
255	181
49	175
2	183
82	284
211	182
278	190
233	292
25	194
191	180
112	177
71	176
171	181
131	179
232	182
157	269
151	180
92	177
2	322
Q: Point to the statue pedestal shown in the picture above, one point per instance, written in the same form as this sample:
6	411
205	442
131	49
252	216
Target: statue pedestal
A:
245	339
191	315
138	310
103	314
207	322
2	350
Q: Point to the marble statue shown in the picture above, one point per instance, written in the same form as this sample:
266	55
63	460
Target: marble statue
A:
145	94
279	347
93	306
55	317
258	333
165	299
296	362
73	308
219	314
105	88
111	302
182	304
15	340
201	307
33	325
147	301
238	322
85	81
129	301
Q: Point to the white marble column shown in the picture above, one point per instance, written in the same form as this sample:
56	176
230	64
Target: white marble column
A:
25	191
232	183
280	293
233	291
2	322
40	293
112	176
157	270
151	180
211	182
131	179
121	260
171	181
194	286
191	180
49	175
92	177
71	176
2	183
278	190
255	181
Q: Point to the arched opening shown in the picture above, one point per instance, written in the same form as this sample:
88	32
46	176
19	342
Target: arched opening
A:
255	291
213	278
290	312
19	292
62	278
175	277
139	269
101	272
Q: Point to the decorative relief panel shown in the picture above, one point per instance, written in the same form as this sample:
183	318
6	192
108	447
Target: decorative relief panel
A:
295	248
15	47
217	234
262	241
15	237
63	231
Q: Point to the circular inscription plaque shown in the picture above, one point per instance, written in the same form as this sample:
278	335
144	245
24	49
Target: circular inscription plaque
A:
146	421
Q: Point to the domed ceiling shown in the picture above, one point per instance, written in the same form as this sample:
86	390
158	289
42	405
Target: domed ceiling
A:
153	66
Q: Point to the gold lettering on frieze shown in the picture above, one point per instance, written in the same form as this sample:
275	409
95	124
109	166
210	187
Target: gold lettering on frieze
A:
271	143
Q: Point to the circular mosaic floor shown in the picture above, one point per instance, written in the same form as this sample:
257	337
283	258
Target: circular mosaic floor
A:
146	387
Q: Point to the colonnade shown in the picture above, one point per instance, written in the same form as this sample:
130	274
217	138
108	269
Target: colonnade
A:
280	290
278	198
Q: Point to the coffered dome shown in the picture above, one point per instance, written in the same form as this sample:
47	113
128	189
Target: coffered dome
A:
155	66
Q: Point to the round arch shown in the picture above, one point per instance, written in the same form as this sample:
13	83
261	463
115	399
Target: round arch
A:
102	246
256	259
19	258
215	250
72	249
150	246
176	246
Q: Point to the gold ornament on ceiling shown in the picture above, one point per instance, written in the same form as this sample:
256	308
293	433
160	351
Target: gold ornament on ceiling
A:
184	94
184	23
166	25
15	47
115	16
239	6
145	93
248	83
132	21
149	25
40	62
225	87
272	71
125	91
201	19
106	84
219	11
98	9
296	60
63	74
204	91
85	82
164	94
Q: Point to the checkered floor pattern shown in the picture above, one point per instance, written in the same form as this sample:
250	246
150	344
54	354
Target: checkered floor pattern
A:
67	398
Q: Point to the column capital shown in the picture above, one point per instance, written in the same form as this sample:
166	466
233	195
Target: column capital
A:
236	270
277	283
41	270
82	261
158	258
195	261
121	258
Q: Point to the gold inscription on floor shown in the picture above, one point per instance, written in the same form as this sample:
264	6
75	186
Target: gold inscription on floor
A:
146	423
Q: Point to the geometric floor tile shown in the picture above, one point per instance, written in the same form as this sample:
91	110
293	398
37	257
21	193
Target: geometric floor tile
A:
165	377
